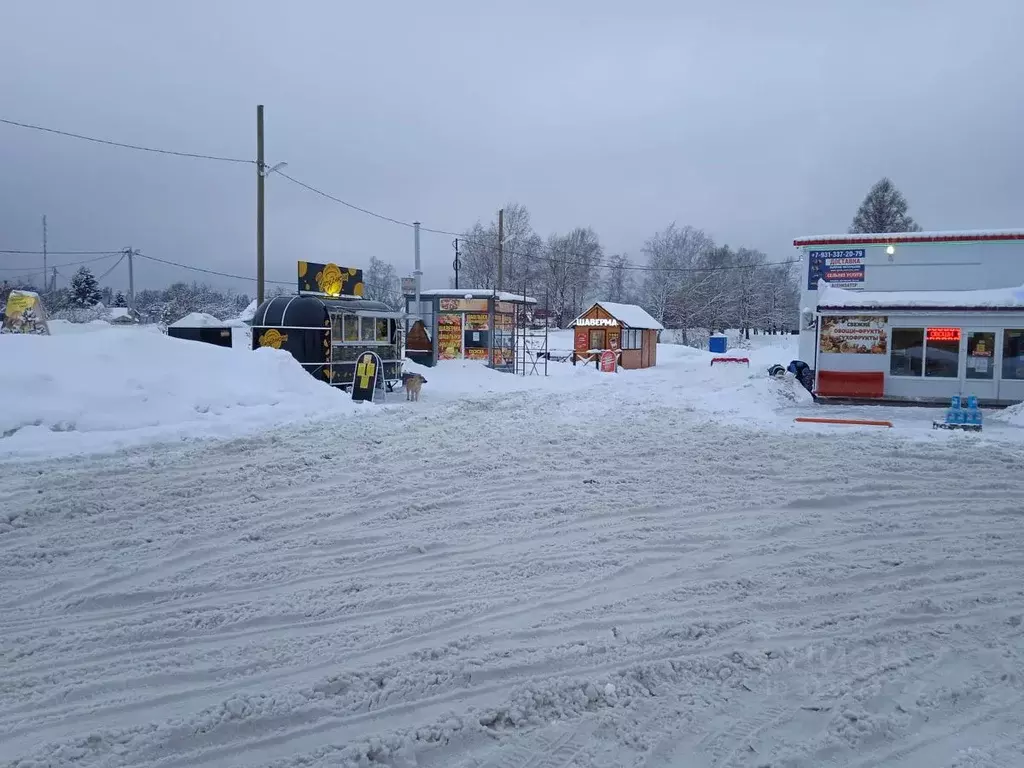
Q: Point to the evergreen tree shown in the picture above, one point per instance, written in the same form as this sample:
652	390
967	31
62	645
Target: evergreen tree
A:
85	290
120	300
883	210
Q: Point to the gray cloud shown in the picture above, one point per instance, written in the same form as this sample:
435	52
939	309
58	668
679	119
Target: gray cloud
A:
756	121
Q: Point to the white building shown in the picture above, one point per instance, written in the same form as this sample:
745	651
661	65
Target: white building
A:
917	316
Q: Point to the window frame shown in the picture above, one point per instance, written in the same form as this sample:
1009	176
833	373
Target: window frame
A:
892	352
1018	334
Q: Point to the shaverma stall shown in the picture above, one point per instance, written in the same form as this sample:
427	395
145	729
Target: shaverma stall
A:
327	325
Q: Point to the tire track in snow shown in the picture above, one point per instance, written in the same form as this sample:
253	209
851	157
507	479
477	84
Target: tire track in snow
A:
532	580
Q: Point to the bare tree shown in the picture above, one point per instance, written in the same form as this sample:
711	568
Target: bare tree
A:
573	271
520	258
619	280
381	283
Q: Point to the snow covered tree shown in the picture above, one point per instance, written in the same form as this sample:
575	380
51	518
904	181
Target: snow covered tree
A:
120	300
85	291
883	210
520	258
571	273
619	280
671	286
381	283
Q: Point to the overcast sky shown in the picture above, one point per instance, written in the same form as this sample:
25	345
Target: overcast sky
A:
757	121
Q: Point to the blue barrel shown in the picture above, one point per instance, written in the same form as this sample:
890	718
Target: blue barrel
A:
718	345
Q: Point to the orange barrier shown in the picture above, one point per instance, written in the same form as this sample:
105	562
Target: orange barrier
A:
730	360
861	422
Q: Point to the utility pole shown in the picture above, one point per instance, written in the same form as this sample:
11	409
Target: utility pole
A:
417	271
259	204
501	244
44	253
53	281
131	279
456	263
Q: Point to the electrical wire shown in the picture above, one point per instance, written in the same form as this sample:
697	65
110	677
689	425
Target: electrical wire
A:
462	237
109	251
123	145
30	270
244	277
115	266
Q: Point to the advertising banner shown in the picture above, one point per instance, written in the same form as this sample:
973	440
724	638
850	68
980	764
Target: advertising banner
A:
449	337
853	334
463	305
330	279
840	268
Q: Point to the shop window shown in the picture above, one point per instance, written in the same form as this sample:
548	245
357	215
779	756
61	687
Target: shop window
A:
942	353
632	338
981	347
1013	354
382	329
368	331
907	354
351	328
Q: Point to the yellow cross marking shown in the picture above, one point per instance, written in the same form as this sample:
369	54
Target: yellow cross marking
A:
365	371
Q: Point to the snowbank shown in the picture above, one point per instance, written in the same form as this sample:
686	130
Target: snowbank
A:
103	391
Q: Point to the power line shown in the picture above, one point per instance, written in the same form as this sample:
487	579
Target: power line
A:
552	259
115	266
191	268
110	251
347	204
29	270
137	147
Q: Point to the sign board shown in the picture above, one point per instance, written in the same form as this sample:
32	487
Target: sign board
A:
608	361
449	337
368	371
409	286
597	322
853	334
843	268
25	314
330	279
463	305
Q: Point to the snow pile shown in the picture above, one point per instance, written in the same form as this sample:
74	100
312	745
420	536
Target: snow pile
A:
103	391
1014	415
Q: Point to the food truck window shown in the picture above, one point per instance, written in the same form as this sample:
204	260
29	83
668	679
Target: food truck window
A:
368	330
942	353
907	351
981	354
351	328
632	338
1013	354
382	329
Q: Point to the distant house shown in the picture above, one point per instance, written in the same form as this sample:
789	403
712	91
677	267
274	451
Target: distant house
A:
122	316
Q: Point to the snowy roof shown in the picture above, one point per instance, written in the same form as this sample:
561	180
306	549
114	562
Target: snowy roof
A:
197	320
116	312
475	293
628	314
887	238
830	297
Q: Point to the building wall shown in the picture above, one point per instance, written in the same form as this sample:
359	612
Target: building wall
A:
999	389
920	267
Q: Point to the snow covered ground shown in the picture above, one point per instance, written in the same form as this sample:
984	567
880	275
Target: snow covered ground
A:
653	568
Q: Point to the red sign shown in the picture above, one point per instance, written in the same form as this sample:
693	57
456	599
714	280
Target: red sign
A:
943	334
608	361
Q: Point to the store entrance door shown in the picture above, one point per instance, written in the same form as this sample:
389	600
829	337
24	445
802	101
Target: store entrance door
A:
979	369
597	338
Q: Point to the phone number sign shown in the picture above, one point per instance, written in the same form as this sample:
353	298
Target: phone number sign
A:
842	268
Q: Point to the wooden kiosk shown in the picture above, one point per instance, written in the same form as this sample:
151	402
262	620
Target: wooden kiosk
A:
625	329
327	325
